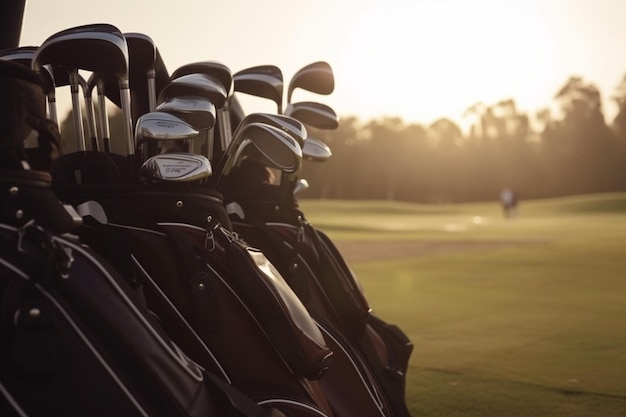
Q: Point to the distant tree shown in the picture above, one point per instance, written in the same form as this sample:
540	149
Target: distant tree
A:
582	139
386	147
581	105
335	176
445	134
619	122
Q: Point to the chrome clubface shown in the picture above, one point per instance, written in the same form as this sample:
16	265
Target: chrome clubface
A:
199	112
289	125
176	167
270	146
301	185
158	125
266	144
201	85
214	69
314	114
316	150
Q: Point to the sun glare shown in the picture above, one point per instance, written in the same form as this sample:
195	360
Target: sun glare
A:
433	59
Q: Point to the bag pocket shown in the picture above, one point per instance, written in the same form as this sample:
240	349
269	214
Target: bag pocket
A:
279	311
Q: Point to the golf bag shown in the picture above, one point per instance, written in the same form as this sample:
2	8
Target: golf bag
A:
320	276
222	302
75	337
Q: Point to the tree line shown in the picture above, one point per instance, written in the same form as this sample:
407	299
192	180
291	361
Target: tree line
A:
567	148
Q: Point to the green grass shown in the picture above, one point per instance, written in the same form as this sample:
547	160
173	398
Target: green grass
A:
532	329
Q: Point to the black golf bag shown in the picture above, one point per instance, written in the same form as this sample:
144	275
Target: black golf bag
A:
75	338
221	301
320	276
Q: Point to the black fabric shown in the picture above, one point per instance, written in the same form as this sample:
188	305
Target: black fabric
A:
289	329
203	299
216	326
22	110
78	325
28	196
154	203
91	168
308	258
64	315
22	102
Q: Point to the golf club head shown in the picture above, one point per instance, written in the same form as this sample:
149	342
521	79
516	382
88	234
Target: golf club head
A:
142	56
316	77
313	114
199	85
159	125
141	51
264	81
214	69
176	167
199	112
266	144
301	185
147	75
97	47
316	150
292	126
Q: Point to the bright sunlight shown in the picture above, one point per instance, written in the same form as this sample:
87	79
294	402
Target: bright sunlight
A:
434	59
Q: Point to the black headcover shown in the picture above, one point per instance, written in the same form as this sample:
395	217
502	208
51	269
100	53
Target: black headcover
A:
22	110
26	193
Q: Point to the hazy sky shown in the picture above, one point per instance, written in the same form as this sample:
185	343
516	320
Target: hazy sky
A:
417	59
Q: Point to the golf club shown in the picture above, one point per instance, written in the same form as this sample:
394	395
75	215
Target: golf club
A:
142	56
264	81
316	77
264	143
176	167
316	150
199	112
155	131
199	85
313	114
98	48
301	185
287	124
90	126
222	74
96	81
